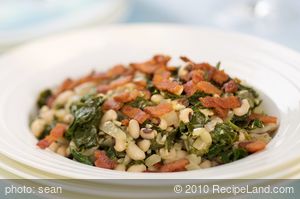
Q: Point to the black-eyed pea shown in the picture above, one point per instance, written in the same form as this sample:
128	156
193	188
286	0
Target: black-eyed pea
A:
148	133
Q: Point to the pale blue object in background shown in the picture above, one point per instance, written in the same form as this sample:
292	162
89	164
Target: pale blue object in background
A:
277	20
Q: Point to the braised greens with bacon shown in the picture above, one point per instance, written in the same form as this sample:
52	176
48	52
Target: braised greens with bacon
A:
153	117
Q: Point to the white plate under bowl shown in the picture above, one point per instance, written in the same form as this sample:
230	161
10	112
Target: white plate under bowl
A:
270	68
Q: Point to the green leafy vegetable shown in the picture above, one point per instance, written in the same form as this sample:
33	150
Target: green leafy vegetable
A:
43	97
81	158
222	149
256	124
84	129
141	103
194	99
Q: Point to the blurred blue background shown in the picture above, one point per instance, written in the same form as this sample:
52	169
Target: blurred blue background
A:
23	20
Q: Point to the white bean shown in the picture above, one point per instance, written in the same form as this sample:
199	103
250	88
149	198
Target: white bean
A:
177	106
37	127
109	115
205	164
210	126
46	114
144	145
84	88
62	150
171	118
63	98
134	129
204	140
184	115
120	167
53	146
120	136
134	152
153	159
60	114
137	168
163	125
182	72
157	98
148	133
243	109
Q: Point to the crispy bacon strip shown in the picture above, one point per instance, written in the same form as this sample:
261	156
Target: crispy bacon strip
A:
103	88
190	88
103	161
69	84
207	87
127	96
135	113
149	67
197	75
253	146
57	132
159	110
264	118
178	165
230	87
221	102
112	104
220	76
221	112
162	82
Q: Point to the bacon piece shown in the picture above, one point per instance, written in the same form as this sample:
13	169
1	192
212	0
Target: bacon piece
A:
253	146
190	88
162	82
135	113
178	165
222	102
149	67
120	81
50	101
197	75
207	87
125	122
159	110
66	85
116	71
220	76
103	161
57	132
264	118
221	112
103	88
112	104
230	87
127	96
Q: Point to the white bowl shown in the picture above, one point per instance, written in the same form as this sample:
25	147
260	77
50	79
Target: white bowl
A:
270	68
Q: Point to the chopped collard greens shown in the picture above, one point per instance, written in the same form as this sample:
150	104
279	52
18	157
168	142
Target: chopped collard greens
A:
153	117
